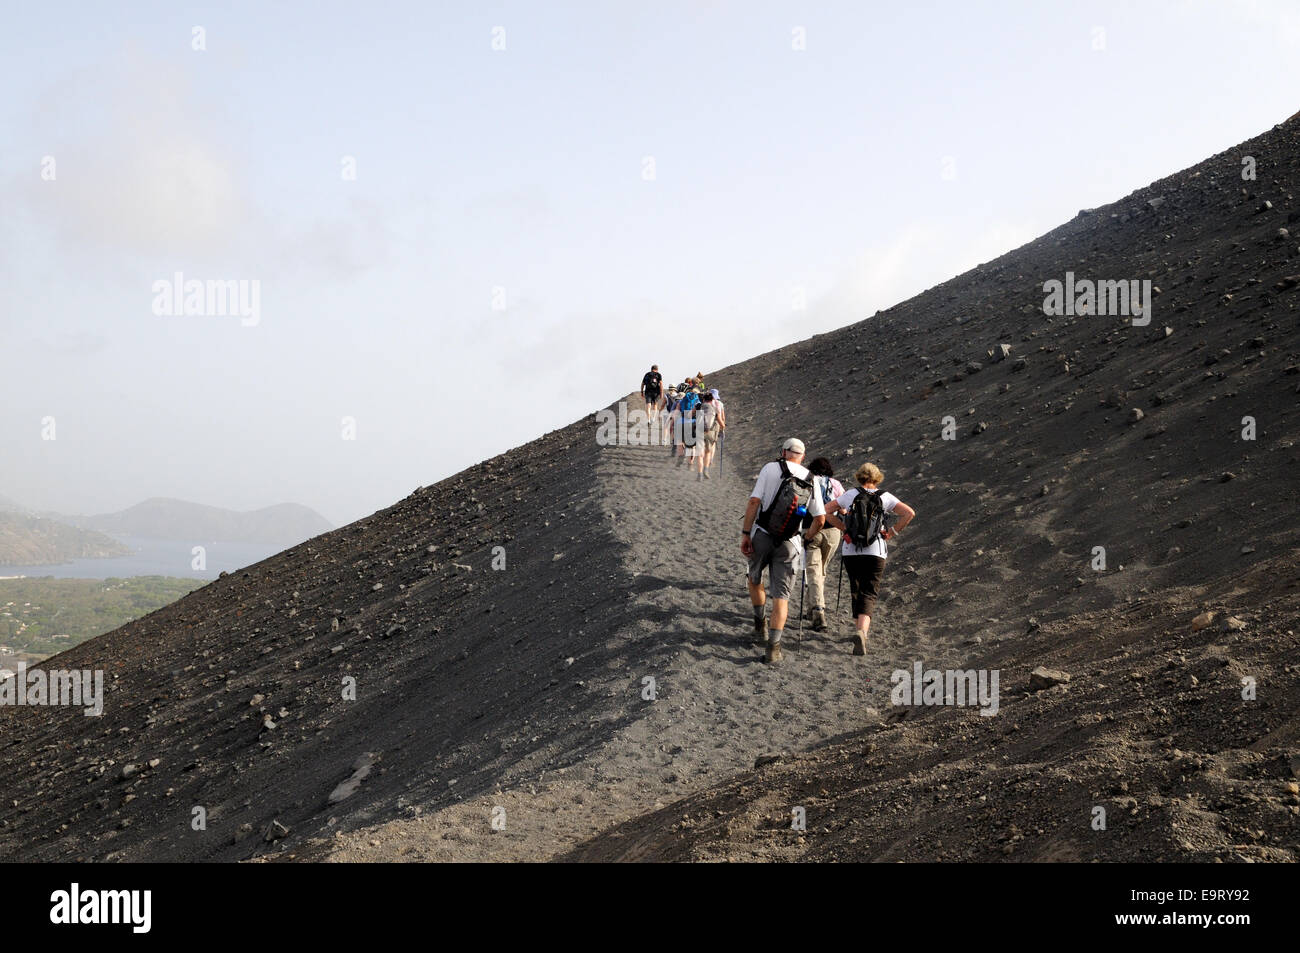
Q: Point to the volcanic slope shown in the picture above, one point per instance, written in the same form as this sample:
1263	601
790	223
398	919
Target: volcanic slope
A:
520	695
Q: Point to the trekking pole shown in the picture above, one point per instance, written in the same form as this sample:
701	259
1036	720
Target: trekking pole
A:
839	587
802	587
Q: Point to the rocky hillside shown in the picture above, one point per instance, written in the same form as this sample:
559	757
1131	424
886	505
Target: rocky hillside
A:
384	692
36	541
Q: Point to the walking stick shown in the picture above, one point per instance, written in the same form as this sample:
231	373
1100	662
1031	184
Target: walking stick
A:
802	587
839	587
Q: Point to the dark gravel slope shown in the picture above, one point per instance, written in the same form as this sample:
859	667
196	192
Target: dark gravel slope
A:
464	683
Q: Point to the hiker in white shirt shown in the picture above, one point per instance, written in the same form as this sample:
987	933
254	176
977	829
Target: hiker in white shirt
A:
865	565
708	425
778	555
722	419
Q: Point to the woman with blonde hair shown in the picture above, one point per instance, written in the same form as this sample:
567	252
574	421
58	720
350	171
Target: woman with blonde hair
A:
866	530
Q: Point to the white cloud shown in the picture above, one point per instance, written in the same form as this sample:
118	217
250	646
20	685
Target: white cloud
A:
147	169
141	176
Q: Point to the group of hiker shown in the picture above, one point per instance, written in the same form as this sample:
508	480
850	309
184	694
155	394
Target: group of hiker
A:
796	510
693	414
796	518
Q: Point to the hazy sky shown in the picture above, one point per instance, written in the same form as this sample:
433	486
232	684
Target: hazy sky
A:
633	182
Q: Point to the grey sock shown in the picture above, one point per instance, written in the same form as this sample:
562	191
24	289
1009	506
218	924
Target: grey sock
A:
758	613
774	636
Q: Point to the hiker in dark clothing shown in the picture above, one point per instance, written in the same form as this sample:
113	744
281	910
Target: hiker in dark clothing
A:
652	385
864	557
822	547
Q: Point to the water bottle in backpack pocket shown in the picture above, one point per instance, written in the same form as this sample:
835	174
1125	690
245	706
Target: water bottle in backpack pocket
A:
788	513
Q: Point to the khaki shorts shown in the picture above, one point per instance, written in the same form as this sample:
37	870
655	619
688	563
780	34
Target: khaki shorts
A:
778	558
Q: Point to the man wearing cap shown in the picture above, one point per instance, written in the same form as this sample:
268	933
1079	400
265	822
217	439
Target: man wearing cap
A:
762	550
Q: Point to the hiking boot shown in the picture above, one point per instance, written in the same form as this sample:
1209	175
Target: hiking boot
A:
819	620
760	630
773	653
706	475
859	644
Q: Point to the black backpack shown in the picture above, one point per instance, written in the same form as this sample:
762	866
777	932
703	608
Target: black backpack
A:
789	510
865	520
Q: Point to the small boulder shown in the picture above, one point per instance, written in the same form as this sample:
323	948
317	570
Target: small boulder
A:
1041	678
274	831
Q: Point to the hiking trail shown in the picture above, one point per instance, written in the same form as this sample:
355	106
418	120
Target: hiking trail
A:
716	707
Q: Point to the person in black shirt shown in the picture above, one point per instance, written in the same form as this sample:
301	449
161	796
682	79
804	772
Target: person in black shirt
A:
652	386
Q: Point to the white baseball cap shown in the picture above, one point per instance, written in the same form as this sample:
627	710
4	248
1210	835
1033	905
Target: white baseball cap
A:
794	444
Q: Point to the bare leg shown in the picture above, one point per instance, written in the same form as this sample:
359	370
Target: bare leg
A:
863	623
779	609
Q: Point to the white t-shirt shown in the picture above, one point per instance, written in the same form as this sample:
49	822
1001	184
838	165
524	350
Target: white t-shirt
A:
879	548
769	481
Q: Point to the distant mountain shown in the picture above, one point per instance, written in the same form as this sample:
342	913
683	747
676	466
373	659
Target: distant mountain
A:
284	524
37	541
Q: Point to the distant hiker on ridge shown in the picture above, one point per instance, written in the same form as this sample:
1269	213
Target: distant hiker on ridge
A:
776	524
722	416
684	425
671	400
651	387
824	544
866	530
708	423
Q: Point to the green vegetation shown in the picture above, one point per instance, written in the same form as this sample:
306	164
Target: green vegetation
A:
40	617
